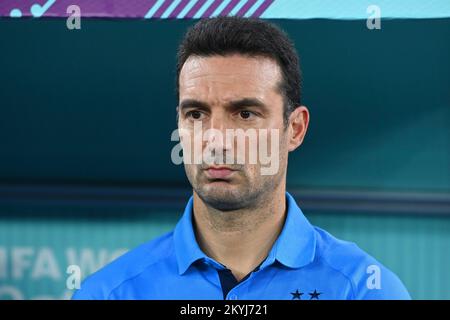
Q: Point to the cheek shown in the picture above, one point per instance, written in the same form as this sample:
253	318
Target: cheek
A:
253	173
192	143
191	172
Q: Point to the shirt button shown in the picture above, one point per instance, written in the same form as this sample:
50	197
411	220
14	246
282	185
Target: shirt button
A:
232	297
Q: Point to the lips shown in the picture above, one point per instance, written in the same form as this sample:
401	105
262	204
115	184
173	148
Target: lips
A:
219	172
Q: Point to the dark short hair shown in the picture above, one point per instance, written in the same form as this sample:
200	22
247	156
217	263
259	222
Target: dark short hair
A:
247	36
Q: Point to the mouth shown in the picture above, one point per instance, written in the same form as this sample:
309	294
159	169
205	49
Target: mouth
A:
216	172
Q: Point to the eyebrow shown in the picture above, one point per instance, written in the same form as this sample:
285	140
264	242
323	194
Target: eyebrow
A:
193	103
246	102
234	104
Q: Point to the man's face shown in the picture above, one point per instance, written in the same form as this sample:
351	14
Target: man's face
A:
232	92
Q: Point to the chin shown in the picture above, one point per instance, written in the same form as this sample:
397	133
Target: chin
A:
222	196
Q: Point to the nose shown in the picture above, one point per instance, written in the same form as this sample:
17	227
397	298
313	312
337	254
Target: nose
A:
218	121
216	134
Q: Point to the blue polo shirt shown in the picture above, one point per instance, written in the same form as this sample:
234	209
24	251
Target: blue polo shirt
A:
304	263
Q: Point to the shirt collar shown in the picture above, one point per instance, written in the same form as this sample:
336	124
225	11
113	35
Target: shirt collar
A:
187	249
294	248
296	244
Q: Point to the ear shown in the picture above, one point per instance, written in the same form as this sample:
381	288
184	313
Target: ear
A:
298	124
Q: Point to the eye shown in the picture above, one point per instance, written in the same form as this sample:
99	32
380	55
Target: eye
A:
245	114
196	115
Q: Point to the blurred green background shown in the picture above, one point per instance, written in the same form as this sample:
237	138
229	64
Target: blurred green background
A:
85	124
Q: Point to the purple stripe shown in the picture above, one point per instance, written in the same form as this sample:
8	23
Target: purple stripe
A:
178	9
258	12
161	9
212	8
229	7
152	3
245	8
195	9
135	8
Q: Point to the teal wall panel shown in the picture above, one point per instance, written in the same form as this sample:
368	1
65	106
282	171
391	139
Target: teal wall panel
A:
35	251
98	104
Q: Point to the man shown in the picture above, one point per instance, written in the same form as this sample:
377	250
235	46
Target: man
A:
242	236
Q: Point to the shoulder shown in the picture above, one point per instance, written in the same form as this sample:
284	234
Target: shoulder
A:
367	277
100	284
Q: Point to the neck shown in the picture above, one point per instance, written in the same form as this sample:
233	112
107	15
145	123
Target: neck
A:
240	239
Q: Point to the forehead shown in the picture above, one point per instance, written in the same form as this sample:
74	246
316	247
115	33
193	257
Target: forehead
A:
229	77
